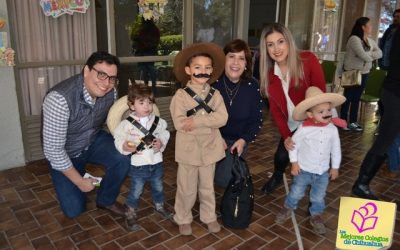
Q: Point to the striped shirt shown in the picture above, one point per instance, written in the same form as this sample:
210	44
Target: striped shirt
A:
55	125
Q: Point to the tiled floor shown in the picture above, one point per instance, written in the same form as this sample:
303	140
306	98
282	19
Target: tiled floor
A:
31	218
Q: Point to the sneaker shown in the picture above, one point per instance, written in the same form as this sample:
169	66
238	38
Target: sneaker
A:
214	227
318	224
131	219
355	126
283	215
159	208
185	229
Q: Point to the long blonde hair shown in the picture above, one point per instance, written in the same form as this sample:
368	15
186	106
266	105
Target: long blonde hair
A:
294	63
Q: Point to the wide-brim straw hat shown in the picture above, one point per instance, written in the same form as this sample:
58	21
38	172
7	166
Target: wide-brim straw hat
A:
212	49
315	96
119	111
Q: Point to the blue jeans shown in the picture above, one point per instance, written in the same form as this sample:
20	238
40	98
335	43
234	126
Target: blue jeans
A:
352	102
394	155
139	175
101	152
318	183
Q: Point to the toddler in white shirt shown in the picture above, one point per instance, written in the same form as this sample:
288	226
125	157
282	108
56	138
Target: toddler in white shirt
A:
316	144
144	136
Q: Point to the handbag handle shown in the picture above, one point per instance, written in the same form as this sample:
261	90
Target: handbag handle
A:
238	172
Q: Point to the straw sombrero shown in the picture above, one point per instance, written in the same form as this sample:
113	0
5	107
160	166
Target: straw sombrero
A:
315	96
118	112
211	49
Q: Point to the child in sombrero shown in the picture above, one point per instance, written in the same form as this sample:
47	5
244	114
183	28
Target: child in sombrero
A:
317	144
198	111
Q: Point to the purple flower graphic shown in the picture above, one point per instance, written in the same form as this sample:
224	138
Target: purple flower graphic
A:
363	218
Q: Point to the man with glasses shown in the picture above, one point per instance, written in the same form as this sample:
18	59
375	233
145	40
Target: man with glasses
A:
74	112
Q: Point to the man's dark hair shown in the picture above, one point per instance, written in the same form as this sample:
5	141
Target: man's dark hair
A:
396	11
102	56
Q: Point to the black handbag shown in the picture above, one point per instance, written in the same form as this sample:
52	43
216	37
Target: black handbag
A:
223	170
238	200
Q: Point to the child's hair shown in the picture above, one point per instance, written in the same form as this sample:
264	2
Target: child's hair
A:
189	61
139	91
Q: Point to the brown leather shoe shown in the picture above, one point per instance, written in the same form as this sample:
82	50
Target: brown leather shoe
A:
116	209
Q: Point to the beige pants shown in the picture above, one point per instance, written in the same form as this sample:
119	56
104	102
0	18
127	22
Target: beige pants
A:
190	179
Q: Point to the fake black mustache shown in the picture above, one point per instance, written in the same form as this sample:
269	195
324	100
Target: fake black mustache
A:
326	117
202	75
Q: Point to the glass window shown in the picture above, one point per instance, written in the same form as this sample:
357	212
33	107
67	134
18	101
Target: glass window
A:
145	73
261	13
388	7
213	21
135	36
300	22
326	29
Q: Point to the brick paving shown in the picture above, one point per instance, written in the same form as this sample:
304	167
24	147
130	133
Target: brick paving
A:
30	216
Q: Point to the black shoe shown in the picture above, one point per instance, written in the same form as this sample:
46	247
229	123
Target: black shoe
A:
363	191
275	181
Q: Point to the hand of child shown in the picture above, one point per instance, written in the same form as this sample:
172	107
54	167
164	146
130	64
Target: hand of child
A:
239	146
157	144
295	170
129	146
334	173
289	144
188	124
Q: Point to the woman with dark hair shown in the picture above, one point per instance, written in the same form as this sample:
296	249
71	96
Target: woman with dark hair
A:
285	75
241	96
361	51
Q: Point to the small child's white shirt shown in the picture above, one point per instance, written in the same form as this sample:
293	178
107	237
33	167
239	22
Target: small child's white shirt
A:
315	147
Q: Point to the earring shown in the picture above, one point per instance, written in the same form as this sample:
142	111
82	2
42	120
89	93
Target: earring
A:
245	68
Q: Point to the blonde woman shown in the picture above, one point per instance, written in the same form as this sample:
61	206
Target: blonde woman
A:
285	74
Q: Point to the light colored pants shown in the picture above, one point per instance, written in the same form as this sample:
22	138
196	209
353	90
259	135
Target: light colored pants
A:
190	179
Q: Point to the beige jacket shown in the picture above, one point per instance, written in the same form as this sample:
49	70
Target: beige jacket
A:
203	145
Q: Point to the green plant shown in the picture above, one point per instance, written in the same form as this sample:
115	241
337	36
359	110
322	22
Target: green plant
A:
170	43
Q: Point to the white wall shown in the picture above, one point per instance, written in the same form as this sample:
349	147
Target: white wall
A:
11	147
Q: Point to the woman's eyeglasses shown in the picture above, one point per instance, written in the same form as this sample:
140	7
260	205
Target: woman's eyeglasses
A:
103	76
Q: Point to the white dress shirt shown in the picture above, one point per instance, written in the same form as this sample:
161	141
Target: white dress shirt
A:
292	124
315	147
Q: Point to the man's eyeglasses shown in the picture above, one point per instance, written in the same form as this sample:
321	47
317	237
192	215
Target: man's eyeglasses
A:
103	76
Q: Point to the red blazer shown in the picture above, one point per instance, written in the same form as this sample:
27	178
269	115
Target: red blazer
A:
313	76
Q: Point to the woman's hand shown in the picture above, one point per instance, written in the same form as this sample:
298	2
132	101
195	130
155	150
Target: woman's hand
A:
289	144
239	146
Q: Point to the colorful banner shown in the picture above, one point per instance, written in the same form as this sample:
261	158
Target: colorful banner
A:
56	8
365	224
